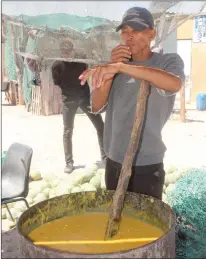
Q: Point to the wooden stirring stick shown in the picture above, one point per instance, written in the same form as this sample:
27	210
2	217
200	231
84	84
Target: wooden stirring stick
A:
126	171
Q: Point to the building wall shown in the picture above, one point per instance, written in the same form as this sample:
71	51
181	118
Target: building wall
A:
184	32
198	63
198	69
170	44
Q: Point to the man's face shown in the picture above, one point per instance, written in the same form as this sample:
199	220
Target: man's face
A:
137	40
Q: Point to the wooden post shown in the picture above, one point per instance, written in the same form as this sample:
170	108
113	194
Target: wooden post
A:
182	104
20	93
12	92
126	171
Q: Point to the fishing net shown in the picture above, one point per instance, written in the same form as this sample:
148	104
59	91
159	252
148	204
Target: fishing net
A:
10	66
3	155
188	199
28	74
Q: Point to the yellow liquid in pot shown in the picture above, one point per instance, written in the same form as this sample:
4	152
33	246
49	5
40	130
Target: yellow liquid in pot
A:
85	234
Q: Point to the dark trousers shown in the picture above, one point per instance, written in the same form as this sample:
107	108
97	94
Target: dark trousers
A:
69	111
148	180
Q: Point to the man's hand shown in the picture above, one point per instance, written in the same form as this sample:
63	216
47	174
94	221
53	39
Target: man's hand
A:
100	74
120	54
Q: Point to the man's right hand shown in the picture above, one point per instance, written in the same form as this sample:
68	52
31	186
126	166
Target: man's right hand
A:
120	54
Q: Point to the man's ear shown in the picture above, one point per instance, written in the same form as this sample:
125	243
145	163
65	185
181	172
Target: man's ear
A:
152	35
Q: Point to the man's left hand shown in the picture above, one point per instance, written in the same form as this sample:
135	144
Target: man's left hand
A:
100	74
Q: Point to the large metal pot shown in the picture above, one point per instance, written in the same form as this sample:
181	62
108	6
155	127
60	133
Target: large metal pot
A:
138	205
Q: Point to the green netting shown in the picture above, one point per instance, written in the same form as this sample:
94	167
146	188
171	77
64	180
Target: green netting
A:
28	75
10	67
54	21
3	155
188	199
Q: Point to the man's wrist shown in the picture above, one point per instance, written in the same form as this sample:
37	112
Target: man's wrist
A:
128	69
119	67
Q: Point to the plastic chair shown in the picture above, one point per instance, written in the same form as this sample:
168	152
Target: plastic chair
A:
15	175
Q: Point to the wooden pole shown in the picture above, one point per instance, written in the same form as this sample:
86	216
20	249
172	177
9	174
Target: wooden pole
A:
182	104
126	171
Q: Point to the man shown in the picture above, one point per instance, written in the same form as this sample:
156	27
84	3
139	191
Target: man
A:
65	75
116	87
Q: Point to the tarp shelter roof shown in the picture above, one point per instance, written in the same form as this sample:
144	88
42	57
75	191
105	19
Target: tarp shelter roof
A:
85	23
55	21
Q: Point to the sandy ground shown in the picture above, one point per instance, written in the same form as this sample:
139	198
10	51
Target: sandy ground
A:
185	143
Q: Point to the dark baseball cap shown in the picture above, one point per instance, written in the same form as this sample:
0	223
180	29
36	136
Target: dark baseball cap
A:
138	18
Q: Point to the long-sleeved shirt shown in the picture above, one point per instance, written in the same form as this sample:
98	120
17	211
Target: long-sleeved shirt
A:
66	76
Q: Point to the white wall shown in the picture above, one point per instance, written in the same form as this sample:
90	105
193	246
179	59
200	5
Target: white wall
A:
170	44
185	52
184	49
